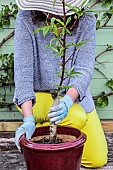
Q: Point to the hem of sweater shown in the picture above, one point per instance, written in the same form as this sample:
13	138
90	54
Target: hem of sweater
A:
81	94
33	98
89	110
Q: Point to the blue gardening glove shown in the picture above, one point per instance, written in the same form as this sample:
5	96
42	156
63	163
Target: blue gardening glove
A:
59	112
28	128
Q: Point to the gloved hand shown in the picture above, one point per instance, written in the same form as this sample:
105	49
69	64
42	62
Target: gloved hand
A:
59	112
28	128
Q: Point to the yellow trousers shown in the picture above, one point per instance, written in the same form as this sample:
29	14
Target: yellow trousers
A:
95	148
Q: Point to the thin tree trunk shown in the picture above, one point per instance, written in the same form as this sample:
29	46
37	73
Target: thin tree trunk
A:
53	126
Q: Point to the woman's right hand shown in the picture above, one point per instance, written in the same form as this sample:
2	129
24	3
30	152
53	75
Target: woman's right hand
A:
27	128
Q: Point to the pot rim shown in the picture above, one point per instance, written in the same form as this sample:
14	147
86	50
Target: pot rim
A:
52	147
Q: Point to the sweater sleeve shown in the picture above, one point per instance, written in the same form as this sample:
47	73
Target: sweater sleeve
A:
23	63
85	60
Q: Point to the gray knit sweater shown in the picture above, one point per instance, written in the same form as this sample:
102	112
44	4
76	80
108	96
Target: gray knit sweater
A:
35	67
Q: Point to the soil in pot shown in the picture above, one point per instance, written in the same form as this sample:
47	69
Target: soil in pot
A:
61	138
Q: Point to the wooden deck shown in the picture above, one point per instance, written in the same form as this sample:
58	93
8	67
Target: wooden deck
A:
11	159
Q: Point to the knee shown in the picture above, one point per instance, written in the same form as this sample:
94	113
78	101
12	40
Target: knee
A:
99	162
95	162
79	118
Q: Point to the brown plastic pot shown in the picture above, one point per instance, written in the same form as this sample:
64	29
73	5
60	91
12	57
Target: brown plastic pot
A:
63	156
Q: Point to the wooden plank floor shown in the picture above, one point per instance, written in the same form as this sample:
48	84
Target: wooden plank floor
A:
11	159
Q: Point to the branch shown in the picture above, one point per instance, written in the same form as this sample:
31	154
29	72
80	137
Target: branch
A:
108	49
7	38
107	26
70	58
107	94
64	46
73	24
106	22
101	72
94	3
98	62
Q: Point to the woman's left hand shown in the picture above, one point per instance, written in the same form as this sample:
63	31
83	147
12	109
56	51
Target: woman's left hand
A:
59	112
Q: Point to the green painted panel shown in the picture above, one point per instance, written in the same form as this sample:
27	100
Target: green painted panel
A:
98	85
9	98
6	49
8	91
10	115
105	115
106	68
104	37
98	75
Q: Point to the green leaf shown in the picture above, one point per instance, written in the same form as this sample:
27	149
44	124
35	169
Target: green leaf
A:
50	45
110	83
53	39
63	31
102	101
97	24
45	30
52	22
62	87
105	15
107	3
68	31
111	10
38	29
79	44
66	72
69	45
74	73
54	49
68	20
59	74
55	30
89	10
66	87
83	4
59	21
109	46
74	9
54	1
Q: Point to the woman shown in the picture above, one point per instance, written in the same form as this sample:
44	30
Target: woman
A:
35	69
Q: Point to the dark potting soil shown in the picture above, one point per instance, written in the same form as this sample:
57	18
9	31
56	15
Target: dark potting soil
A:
48	141
59	139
